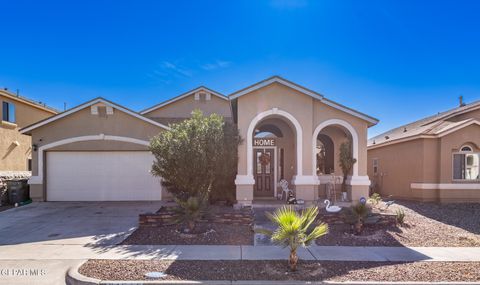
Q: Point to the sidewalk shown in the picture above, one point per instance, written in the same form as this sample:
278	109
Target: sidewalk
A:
204	252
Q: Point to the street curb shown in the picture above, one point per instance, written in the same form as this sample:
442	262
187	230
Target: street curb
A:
73	277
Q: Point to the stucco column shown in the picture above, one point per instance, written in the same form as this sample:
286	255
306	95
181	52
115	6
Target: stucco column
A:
244	181
360	183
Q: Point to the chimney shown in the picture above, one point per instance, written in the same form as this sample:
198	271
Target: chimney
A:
460	101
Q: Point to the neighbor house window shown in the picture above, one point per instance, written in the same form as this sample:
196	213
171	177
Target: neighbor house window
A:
8	110
466	164
375	166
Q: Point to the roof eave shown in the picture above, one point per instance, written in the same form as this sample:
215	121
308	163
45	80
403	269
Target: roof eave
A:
28	129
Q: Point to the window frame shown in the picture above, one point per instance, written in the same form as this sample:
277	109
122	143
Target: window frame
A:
464	152
10	112
375	166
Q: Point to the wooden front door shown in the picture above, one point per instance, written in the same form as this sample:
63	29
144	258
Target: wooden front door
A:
264	172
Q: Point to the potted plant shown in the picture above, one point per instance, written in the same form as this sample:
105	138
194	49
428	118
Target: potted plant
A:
346	164
294	230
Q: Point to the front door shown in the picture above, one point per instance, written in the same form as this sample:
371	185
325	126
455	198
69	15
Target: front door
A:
264	172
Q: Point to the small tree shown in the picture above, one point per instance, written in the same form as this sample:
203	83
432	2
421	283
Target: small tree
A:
186	155
346	162
294	230
226	168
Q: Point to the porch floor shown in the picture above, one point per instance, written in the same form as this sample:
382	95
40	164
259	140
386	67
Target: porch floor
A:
275	203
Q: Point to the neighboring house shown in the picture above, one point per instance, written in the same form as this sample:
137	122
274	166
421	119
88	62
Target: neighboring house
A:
98	151
433	159
15	148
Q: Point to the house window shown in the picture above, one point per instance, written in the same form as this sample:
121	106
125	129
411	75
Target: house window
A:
466	164
8	112
375	166
29	164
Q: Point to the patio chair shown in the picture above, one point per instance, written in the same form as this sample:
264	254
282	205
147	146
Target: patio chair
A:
285	190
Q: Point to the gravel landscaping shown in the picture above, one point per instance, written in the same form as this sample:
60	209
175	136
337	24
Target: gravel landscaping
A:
426	224
277	270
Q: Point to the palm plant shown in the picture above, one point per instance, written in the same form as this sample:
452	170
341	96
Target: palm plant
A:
190	211
357	215
294	230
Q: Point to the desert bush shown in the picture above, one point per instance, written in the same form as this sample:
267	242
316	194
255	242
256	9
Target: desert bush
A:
357	215
223	187
375	199
196	157
400	216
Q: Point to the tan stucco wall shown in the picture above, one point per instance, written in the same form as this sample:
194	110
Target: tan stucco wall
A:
308	111
323	113
453	142
83	123
25	114
13	157
423	161
183	108
399	165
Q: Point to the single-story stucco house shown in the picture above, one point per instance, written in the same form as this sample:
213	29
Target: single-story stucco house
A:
98	151
433	159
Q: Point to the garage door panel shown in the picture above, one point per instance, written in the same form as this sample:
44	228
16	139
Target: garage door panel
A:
101	176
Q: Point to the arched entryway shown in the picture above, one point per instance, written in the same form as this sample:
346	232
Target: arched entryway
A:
326	141
273	151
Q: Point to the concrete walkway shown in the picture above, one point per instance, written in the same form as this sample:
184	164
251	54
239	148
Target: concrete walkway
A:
192	252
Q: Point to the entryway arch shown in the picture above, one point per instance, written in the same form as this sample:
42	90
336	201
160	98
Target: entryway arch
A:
298	140
345	125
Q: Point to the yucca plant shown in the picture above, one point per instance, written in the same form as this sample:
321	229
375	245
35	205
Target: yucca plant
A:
190	211
375	199
294	230
400	216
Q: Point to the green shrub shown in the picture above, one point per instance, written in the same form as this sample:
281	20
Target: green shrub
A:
197	156
226	169
190	211
375	199
400	216
294	230
346	161
357	215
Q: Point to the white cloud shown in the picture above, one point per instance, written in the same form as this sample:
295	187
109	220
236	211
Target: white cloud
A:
216	65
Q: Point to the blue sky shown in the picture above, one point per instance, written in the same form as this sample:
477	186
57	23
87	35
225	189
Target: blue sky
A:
394	60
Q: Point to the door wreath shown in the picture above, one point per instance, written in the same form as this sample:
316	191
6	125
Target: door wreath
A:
264	159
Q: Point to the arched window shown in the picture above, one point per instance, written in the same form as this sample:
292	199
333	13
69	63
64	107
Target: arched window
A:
268	131
466	164
466	148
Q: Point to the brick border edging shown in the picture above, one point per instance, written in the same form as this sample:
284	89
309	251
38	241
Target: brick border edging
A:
73	277
167	217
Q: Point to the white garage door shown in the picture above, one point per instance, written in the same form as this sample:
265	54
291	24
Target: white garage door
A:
101	176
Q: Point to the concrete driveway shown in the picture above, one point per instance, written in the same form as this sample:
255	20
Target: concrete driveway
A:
82	223
67	226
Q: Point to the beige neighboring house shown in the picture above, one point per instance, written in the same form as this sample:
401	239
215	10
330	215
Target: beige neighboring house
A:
15	148
98	151
434	159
